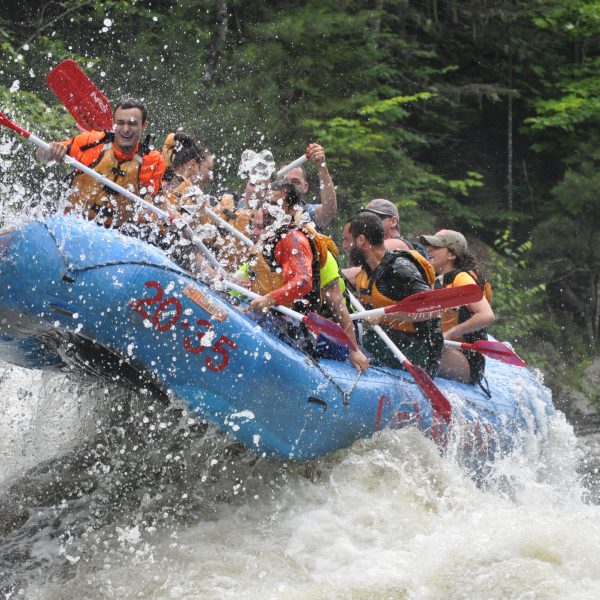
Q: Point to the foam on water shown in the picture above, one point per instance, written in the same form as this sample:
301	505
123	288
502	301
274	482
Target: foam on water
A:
43	415
180	512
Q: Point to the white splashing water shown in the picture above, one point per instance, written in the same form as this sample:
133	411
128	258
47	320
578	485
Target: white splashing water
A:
387	518
42	416
257	166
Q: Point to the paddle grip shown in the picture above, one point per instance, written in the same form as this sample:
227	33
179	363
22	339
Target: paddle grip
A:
294	164
250	294
363	314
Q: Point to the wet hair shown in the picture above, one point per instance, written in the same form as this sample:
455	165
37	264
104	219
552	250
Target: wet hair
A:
467	263
282	165
185	149
126	103
292	197
369	225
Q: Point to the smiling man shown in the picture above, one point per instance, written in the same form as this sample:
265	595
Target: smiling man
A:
118	155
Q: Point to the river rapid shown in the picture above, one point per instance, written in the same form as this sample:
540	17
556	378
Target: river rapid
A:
113	493
109	493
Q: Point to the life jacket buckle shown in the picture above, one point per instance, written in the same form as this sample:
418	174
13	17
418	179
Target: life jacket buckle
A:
118	172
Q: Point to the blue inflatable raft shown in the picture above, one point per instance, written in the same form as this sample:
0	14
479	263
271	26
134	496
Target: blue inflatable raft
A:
73	293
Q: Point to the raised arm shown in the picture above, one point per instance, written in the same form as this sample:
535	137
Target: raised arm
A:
326	211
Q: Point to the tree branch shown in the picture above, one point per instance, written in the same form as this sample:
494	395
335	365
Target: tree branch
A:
43	26
218	42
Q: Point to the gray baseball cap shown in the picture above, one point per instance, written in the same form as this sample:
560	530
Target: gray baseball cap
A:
446	238
382	208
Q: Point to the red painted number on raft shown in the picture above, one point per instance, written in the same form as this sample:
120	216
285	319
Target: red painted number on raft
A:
137	304
218	348
187	343
171	309
172	319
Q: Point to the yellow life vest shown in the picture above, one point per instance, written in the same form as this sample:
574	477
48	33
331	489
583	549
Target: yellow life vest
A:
100	202
264	280
371	297
454	316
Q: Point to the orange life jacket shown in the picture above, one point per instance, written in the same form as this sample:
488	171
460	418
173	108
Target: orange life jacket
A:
168	149
174	196
371	297
266	272
99	202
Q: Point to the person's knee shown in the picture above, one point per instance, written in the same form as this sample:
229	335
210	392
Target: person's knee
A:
454	365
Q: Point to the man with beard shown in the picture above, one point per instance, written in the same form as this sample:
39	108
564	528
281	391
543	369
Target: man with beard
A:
386	277
294	268
118	155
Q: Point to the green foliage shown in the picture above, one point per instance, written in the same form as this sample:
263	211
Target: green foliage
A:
518	301
473	180
29	111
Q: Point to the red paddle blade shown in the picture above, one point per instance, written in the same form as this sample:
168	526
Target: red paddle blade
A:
86	103
435	300
499	351
441	405
329	330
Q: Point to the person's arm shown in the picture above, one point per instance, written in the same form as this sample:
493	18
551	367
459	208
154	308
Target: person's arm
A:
482	315
326	211
333	297
152	172
58	150
350	274
294	254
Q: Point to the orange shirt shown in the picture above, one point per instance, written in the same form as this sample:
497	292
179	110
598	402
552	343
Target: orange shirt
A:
450	317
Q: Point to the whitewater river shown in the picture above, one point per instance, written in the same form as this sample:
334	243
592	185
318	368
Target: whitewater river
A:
106	493
110	494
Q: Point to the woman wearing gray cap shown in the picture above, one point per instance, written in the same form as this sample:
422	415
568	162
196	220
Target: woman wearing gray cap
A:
454	266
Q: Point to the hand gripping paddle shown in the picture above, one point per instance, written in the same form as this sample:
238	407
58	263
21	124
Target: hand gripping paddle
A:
430	301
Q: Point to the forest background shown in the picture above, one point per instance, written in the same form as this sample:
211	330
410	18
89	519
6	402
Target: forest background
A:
476	115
